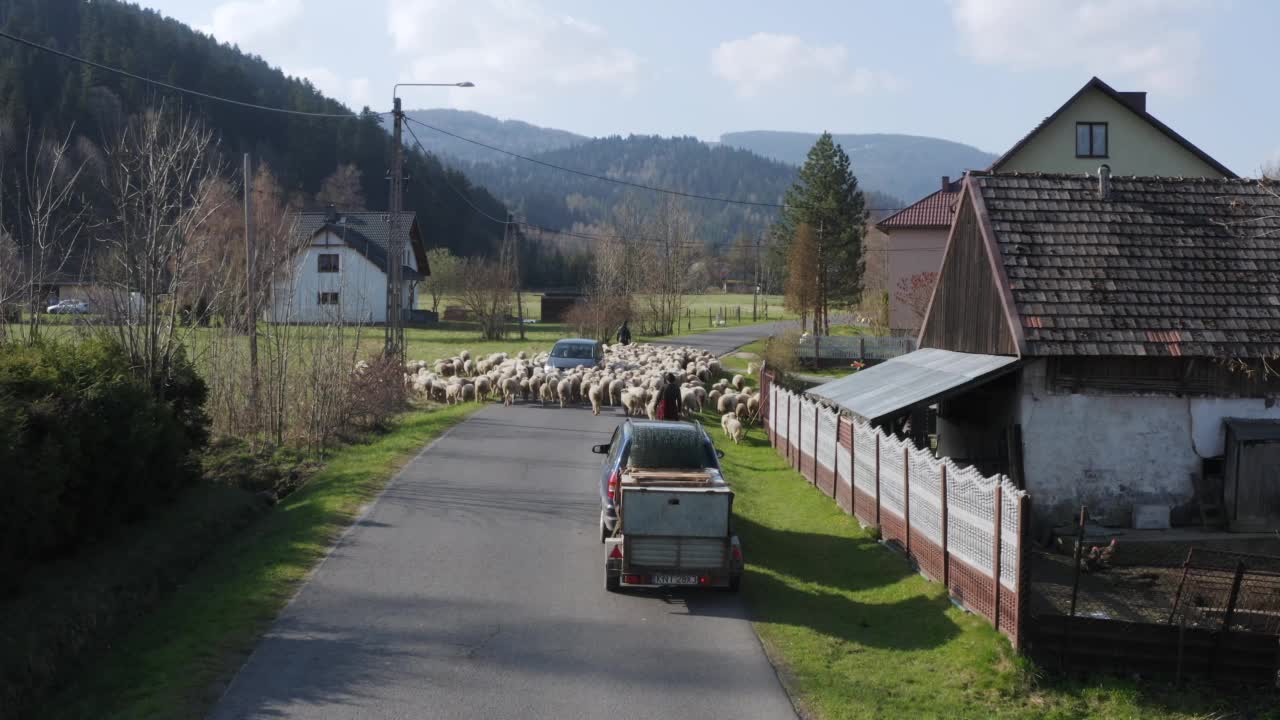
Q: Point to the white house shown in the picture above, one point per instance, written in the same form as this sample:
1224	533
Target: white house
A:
341	272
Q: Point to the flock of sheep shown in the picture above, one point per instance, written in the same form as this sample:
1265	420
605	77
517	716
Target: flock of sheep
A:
629	377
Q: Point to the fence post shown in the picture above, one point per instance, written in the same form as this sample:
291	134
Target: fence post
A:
906	495
946	557
1022	579
877	480
1075	580
1177	595
1228	616
835	466
995	560
788	438
817	415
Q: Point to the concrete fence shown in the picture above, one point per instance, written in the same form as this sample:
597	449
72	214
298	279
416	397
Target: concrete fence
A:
961	528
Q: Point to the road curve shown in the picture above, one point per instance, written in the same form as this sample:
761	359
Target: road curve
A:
473	588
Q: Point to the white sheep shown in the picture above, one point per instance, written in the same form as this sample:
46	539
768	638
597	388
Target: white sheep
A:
753	405
739	381
510	386
468	392
483	387
596	394
453	393
733	428
564	391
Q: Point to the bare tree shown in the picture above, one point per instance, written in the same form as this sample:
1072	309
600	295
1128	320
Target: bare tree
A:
52	215
487	291
914	293
445	267
344	189
665	246
802	296
161	178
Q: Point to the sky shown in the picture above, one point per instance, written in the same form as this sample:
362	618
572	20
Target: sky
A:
982	72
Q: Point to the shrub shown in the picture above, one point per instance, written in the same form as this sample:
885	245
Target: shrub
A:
86	444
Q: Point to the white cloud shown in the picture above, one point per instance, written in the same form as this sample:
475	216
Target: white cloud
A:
254	25
1152	42
353	92
515	51
765	61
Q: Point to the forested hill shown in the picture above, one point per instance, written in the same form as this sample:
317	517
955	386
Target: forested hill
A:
559	199
51	96
905	166
514	135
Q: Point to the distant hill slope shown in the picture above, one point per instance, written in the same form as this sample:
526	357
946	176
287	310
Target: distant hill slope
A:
52	96
905	166
557	199
514	135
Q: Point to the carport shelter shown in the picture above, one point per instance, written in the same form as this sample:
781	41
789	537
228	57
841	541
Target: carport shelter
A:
1088	336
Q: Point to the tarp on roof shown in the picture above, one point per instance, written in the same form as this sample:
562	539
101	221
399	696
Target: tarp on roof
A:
907	380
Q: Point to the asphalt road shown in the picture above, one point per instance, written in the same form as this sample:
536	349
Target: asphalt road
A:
473	588
728	339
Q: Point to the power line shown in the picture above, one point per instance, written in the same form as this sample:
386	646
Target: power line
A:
535	227
589	236
175	88
605	178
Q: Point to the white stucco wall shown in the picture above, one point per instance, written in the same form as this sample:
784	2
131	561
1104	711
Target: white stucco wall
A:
361	287
1134	146
1110	451
911	251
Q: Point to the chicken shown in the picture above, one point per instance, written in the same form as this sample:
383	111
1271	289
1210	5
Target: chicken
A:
1099	558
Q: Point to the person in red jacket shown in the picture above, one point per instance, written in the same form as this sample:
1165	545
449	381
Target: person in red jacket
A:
669	399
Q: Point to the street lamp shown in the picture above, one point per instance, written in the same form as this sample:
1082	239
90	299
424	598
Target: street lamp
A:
394	339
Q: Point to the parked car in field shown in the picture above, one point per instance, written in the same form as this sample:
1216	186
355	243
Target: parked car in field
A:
575	352
666	511
68	307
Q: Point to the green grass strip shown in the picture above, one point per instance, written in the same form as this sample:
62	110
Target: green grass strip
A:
174	663
855	633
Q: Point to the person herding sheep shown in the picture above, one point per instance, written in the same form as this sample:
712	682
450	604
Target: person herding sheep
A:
669	399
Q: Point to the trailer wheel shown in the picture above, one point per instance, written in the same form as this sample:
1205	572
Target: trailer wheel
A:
735	583
612	583
604	530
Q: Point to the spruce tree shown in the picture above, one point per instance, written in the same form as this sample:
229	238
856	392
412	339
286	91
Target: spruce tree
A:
825	196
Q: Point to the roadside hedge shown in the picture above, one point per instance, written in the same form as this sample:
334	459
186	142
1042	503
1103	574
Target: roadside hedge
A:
86	444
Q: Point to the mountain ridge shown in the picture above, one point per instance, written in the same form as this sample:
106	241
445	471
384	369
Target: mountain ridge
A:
902	165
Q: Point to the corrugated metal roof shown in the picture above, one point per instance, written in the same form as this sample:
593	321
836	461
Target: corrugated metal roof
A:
910	379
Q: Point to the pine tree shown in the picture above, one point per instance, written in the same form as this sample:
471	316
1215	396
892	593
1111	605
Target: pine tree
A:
825	196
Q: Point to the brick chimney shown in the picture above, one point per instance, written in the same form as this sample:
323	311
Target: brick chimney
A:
330	213
1104	182
946	183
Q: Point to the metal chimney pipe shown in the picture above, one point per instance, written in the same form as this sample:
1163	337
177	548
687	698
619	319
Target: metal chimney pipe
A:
1104	182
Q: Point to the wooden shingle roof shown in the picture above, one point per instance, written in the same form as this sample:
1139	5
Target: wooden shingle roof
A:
1161	267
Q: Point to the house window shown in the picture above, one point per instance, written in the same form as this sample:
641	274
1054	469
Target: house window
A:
328	298
327	262
1091	140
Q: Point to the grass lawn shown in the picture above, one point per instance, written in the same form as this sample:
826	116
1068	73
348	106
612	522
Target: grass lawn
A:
857	634
175	661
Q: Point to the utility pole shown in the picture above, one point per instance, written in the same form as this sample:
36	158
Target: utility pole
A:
755	290
393	345
515	258
251	300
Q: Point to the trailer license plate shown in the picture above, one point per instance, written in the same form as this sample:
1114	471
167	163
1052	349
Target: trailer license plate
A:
675	579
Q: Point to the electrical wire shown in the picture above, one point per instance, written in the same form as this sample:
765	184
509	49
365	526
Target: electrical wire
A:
591	236
169	86
540	228
605	178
